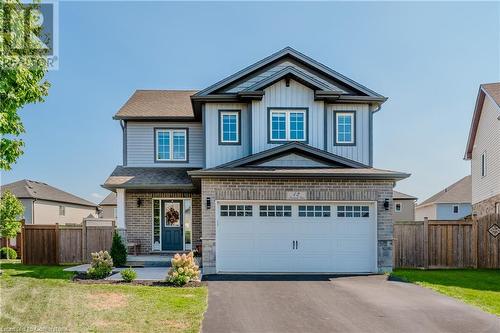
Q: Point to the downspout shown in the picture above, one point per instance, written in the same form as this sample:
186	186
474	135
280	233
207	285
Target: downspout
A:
33	211
124	143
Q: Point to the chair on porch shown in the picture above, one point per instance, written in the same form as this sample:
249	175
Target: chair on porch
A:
134	246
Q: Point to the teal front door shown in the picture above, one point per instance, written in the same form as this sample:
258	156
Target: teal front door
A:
171	226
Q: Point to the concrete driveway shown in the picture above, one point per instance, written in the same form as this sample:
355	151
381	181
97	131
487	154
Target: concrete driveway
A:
277	303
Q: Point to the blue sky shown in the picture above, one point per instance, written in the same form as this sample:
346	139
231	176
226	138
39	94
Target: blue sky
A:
428	58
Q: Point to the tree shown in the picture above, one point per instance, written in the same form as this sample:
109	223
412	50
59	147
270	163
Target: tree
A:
10	211
22	70
118	251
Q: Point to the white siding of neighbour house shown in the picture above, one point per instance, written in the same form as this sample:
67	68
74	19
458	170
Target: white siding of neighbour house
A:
47	212
361	151
279	95
487	139
28	208
141	144
217	154
426	211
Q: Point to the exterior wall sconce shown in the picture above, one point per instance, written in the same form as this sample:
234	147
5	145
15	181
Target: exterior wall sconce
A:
209	203
139	202
386	204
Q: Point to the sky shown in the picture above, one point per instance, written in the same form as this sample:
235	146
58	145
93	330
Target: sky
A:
428	58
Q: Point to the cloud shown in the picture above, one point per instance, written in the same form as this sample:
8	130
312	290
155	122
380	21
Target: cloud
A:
97	195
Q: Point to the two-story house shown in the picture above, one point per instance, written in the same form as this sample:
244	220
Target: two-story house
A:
267	170
483	150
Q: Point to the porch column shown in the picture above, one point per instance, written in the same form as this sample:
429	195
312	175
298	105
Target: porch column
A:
120	213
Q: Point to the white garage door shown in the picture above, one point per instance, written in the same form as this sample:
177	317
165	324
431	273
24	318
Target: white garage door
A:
296	237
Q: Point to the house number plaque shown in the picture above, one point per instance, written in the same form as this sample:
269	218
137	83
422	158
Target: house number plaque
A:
296	195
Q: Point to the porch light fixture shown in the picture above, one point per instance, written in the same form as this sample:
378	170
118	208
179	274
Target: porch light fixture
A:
386	204
139	202
209	203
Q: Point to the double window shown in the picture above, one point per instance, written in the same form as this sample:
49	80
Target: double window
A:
345	123
287	125
229	127
171	144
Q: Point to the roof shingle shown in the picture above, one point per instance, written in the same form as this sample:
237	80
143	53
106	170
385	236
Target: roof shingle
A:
148	178
157	104
29	189
459	192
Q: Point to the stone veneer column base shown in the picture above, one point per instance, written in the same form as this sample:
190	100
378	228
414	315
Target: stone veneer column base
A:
486	207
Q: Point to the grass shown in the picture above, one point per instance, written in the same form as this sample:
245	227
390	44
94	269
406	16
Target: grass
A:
479	287
42	298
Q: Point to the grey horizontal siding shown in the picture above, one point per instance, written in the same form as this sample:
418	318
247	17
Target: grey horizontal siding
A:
141	144
361	151
217	154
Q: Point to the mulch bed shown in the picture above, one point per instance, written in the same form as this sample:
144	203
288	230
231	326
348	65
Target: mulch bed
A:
82	278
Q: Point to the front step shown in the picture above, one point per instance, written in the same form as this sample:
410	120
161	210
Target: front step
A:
149	261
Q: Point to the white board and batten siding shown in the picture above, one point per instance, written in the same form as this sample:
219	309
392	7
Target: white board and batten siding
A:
217	154
279	95
487	140
141	144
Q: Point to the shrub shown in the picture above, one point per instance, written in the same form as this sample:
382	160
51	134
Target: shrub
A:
183	270
101	265
8	253
118	251
128	274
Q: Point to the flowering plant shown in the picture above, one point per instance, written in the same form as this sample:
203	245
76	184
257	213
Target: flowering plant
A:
183	270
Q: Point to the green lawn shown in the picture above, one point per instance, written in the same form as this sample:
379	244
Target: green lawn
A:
42	298
479	287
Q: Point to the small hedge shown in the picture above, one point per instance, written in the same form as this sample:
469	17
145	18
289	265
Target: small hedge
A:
128	274
118	251
8	253
101	265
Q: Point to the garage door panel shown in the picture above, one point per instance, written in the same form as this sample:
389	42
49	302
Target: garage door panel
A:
325	243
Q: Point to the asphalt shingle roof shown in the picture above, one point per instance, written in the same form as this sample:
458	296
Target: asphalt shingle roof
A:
29	189
493	89
110	200
132	177
402	196
459	192
158	104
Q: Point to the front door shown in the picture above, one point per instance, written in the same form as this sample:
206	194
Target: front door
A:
171	225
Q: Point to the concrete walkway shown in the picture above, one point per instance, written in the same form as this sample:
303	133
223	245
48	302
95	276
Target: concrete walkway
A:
143	273
298	304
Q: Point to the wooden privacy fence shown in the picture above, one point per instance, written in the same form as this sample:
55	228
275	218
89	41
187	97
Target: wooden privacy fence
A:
447	244
56	244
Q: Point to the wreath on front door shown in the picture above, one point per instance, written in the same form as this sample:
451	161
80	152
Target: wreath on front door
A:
172	216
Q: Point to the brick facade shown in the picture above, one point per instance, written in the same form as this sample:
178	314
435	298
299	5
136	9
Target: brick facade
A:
486	207
139	220
317	190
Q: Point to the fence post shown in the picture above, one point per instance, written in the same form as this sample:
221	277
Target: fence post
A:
425	230
23	251
475	241
84	241
57	243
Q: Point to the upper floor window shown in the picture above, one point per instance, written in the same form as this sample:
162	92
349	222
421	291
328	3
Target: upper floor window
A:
345	128
229	127
397	207
171	144
62	211
483	164
287	124
455	209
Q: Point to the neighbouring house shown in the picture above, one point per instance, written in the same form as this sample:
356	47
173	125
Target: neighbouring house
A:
404	207
452	203
483	150
267	170
107	207
45	204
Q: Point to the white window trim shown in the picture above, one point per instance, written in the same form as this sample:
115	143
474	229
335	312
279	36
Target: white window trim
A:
353	130
396	207
483	164
287	124
171	140
231	113
453	209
